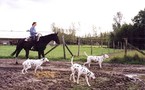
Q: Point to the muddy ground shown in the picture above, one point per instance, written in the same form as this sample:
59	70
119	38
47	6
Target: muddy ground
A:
55	76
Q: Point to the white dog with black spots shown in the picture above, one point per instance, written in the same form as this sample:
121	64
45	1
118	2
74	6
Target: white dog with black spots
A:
81	70
98	59
32	62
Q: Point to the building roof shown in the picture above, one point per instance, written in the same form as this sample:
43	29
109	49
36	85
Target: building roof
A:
13	35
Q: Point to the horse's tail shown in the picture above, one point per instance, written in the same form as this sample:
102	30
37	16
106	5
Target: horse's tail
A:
13	53
17	47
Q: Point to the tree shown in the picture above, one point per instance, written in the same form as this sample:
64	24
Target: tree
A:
134	33
116	27
69	34
139	19
94	31
117	21
139	29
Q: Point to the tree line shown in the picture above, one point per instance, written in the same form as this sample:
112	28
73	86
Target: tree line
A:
134	32
71	38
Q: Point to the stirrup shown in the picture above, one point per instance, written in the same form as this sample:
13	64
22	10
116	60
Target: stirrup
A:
32	48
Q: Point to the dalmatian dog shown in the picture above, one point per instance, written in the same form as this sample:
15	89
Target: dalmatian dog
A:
81	70
98	59
31	62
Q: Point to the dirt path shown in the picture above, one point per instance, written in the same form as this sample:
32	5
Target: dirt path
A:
55	76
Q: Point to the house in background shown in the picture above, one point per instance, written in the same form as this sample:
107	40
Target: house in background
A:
11	37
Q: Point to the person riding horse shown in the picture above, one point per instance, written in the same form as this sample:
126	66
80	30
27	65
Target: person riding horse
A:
33	35
41	45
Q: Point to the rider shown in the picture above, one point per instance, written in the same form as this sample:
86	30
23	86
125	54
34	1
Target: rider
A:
33	31
33	34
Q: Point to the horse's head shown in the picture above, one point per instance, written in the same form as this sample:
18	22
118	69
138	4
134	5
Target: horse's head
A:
50	37
55	38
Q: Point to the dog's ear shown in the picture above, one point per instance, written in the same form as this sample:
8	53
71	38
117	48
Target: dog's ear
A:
104	55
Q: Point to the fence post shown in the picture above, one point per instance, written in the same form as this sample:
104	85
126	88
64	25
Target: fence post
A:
68	49
118	46
78	46
108	46
125	47
121	46
91	48
114	46
64	54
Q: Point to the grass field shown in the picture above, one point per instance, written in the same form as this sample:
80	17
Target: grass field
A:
58	53
116	55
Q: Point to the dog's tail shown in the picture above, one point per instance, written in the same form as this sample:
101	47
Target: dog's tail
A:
72	60
86	54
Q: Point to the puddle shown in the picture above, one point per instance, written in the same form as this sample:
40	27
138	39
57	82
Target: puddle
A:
131	75
140	77
33	80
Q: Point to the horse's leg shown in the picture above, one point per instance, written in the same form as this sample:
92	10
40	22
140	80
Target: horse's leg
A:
43	54
17	53
27	53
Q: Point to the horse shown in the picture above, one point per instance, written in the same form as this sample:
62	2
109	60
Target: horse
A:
40	45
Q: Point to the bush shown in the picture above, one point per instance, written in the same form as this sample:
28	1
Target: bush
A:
128	60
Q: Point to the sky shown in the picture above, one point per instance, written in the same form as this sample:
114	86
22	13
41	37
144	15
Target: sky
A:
18	15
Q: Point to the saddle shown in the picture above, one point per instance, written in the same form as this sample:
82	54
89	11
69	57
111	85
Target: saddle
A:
30	38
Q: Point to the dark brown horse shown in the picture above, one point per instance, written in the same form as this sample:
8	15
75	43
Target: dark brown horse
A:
40	45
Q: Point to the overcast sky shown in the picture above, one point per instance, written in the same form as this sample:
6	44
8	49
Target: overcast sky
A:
18	15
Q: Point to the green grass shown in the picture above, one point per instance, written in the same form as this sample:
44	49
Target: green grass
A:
116	55
57	53
133	57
